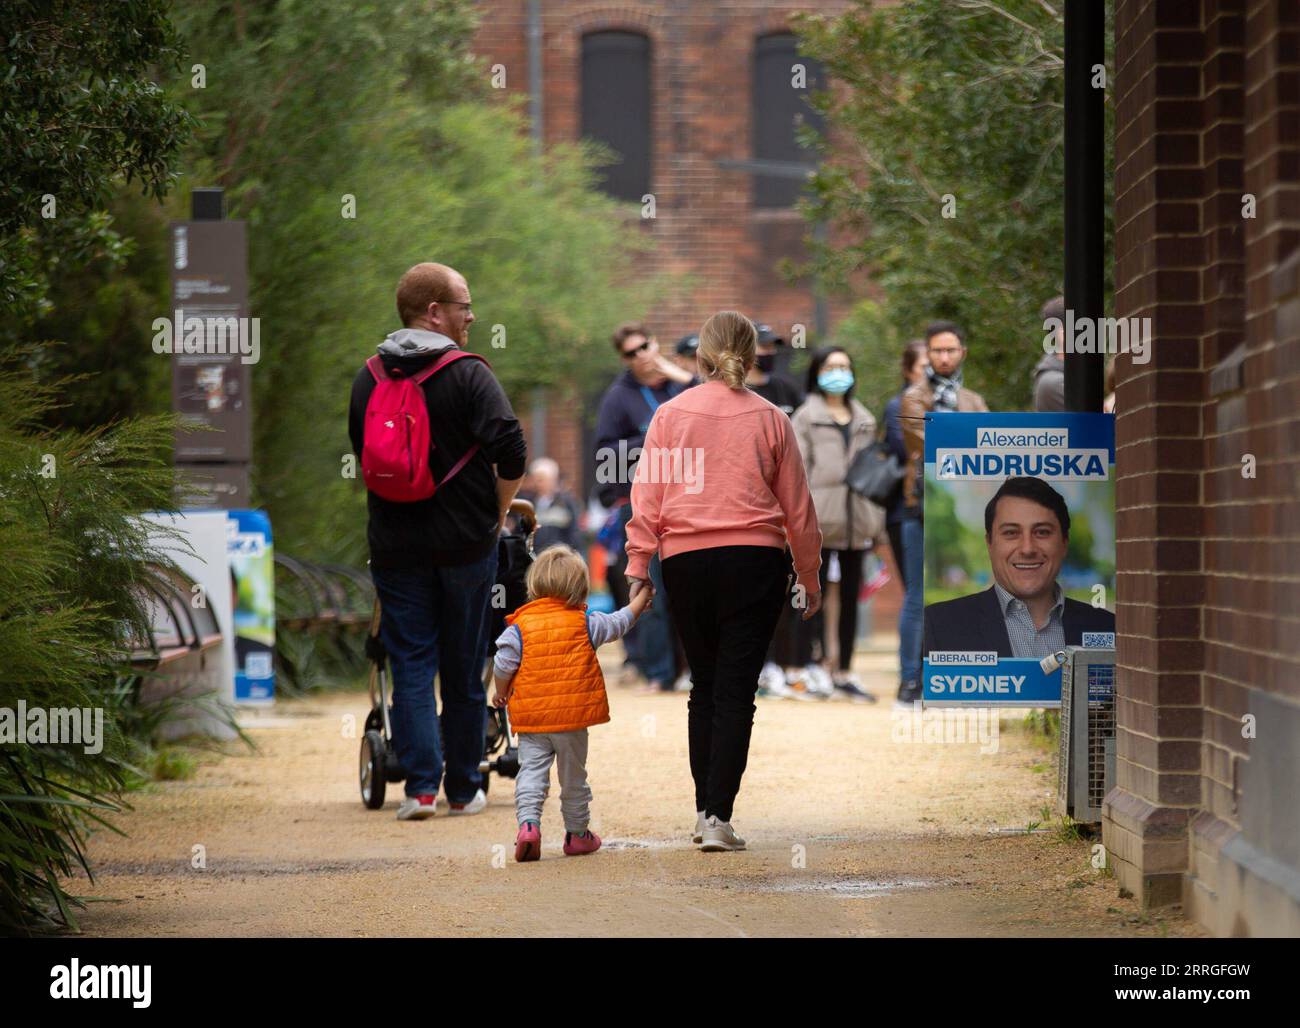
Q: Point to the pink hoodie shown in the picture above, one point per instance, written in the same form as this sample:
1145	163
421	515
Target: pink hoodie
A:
720	467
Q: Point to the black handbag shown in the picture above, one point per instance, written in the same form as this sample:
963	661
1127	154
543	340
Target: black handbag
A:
876	474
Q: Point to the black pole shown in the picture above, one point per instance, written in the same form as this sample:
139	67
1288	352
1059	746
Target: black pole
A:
1085	155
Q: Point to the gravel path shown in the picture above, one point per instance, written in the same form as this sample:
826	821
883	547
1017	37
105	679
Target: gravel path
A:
852	832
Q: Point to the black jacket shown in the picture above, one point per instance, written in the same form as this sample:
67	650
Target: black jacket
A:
974	623
458	524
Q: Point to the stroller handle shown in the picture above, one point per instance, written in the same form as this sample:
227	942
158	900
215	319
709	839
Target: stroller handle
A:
527	516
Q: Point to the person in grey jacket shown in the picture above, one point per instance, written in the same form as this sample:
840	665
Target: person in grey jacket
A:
1049	373
832	428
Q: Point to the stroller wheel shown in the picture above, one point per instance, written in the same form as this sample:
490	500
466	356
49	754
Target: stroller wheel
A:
374	781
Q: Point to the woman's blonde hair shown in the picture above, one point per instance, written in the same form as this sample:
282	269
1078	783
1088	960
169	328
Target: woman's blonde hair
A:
728	342
559	572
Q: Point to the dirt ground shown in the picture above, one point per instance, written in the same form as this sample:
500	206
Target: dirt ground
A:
852	829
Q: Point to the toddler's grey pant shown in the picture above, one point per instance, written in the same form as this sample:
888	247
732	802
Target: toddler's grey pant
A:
569	751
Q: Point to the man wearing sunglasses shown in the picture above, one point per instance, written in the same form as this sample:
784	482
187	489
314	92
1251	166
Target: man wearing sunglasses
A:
648	379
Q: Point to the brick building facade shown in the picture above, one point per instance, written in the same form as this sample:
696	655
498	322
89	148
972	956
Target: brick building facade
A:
710	227
1206	809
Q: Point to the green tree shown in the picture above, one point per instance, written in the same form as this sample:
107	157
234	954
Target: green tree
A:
944	173
79	112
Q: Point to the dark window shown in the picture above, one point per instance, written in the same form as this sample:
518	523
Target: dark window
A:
616	107
779	108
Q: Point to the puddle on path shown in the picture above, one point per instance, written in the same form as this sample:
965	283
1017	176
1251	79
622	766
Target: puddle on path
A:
845	887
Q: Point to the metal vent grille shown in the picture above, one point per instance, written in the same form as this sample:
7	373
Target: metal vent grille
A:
1101	730
1087	749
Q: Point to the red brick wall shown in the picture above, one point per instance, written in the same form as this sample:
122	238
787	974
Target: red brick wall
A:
1208	109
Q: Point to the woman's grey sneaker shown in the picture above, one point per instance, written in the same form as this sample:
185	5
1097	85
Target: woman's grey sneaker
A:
698	837
719	837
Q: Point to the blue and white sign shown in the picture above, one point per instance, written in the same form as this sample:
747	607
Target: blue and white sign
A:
252	585
1019	552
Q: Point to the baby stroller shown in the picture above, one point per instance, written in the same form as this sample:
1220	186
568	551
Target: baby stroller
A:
379	764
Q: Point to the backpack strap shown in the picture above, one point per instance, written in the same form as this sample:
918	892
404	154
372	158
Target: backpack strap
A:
421	376
376	366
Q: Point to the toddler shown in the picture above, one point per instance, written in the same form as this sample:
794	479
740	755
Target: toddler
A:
547	673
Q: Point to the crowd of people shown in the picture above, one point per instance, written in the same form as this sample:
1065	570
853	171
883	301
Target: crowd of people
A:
715	590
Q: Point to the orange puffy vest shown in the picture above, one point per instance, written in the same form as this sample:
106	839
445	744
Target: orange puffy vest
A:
559	686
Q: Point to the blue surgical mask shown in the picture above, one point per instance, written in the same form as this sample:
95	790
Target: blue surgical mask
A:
836	381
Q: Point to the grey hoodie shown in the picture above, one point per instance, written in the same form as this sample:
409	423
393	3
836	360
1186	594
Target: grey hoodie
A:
413	342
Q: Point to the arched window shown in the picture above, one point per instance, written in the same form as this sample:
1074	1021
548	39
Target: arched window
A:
779	106
616	107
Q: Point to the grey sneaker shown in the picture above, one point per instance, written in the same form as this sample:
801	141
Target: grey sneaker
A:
698	837
719	837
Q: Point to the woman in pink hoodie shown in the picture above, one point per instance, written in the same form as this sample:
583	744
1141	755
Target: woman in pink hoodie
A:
719	491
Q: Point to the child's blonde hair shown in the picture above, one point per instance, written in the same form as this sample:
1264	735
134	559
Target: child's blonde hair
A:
559	572
728	342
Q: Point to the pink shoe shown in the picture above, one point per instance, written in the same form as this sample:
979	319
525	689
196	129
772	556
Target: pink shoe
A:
577	845
528	843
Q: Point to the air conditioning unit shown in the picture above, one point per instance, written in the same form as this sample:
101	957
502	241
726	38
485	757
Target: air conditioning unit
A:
1087	762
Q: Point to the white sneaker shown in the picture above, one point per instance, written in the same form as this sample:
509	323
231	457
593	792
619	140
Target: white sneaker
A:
771	680
798	688
417	808
719	837
698	837
819	682
683	683
474	806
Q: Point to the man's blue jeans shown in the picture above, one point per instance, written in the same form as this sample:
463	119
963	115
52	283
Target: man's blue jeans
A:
433	621
910	618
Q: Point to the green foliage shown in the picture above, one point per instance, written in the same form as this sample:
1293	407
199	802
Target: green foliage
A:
78	112
74	554
309	103
933	99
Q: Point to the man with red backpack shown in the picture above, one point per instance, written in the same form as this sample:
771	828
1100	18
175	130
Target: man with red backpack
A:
442	456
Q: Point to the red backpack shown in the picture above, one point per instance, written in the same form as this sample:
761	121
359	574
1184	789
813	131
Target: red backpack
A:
397	441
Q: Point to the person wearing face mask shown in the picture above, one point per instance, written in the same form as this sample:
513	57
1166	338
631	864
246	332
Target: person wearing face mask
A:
773	386
832	428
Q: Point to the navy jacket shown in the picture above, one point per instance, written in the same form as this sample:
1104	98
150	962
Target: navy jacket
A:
975	623
624	415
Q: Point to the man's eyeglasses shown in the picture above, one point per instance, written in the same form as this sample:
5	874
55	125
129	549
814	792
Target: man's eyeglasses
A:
469	307
629	354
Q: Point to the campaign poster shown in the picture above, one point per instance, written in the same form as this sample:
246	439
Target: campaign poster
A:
1019	552
252	589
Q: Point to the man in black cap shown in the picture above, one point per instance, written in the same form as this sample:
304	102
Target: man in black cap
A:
763	378
684	356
